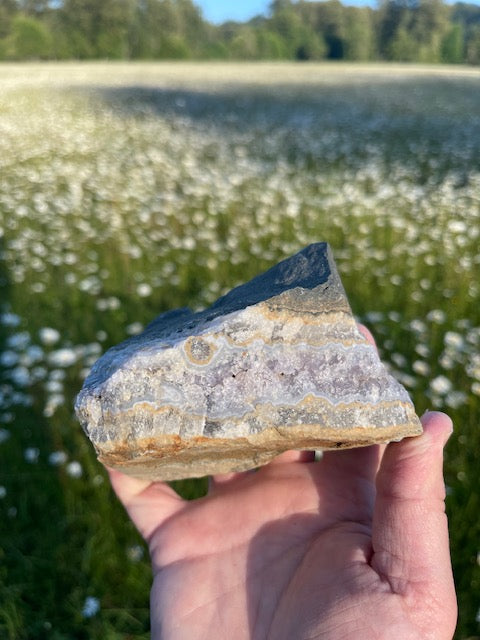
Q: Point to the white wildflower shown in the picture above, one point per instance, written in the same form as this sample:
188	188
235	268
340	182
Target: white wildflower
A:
3	492
18	341
446	361
102	304
135	553
57	458
425	284
440	385
406	379
421	367
31	454
5	435
9	358
418	326
398	359
20	376
455	399
91	607
49	336
374	316
38	287
94	348
74	469
97	480
144	290
422	350
134	328
394	316
437	316
57	374
54	401
54	386
454	340
62	357
457	226
9	319
33	354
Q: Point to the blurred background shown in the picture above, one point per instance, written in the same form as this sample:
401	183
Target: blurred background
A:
427	31
134	186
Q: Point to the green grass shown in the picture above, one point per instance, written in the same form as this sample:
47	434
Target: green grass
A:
127	190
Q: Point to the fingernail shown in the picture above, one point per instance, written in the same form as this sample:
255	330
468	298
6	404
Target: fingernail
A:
442	420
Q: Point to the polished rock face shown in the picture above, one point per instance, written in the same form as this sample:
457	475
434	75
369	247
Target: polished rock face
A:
276	364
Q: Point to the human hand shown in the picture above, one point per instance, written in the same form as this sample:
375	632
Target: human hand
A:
353	546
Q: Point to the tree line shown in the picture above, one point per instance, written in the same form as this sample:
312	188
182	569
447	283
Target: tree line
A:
427	31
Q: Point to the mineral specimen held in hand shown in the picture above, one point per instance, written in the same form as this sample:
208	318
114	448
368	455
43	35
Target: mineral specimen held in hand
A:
276	364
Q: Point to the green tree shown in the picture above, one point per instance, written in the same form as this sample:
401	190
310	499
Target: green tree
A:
327	19
429	25
468	16
244	45
29	39
473	45
280	5
98	28
391	15
171	29
452	47
311	46
8	10
193	28
413	30
299	38
287	24
359	34
403	47
270	45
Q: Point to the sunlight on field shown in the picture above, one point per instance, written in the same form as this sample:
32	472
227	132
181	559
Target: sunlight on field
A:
126	190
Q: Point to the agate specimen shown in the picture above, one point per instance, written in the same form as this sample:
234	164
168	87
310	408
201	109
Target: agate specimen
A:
277	363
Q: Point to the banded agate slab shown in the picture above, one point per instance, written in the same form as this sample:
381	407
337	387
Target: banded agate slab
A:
276	364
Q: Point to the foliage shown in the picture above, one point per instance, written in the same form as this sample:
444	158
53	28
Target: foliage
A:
452	48
428	31
28	39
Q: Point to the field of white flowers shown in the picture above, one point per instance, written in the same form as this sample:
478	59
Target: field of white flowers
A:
127	190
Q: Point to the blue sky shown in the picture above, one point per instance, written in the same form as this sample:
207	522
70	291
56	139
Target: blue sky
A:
221	10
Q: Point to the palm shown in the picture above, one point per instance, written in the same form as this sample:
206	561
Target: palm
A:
288	552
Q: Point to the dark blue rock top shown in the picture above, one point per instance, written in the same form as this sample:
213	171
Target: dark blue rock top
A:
308	269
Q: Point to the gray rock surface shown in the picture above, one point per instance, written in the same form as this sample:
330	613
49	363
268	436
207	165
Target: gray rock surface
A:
276	364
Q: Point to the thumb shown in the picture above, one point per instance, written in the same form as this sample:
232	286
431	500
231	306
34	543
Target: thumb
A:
410	531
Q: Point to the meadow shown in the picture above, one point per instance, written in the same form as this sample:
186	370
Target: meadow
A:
130	189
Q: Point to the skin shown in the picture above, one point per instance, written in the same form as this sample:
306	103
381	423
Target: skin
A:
353	546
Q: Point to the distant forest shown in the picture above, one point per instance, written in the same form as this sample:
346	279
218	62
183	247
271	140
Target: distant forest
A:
427	31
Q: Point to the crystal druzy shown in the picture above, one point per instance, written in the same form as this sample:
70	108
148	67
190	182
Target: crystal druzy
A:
277	363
